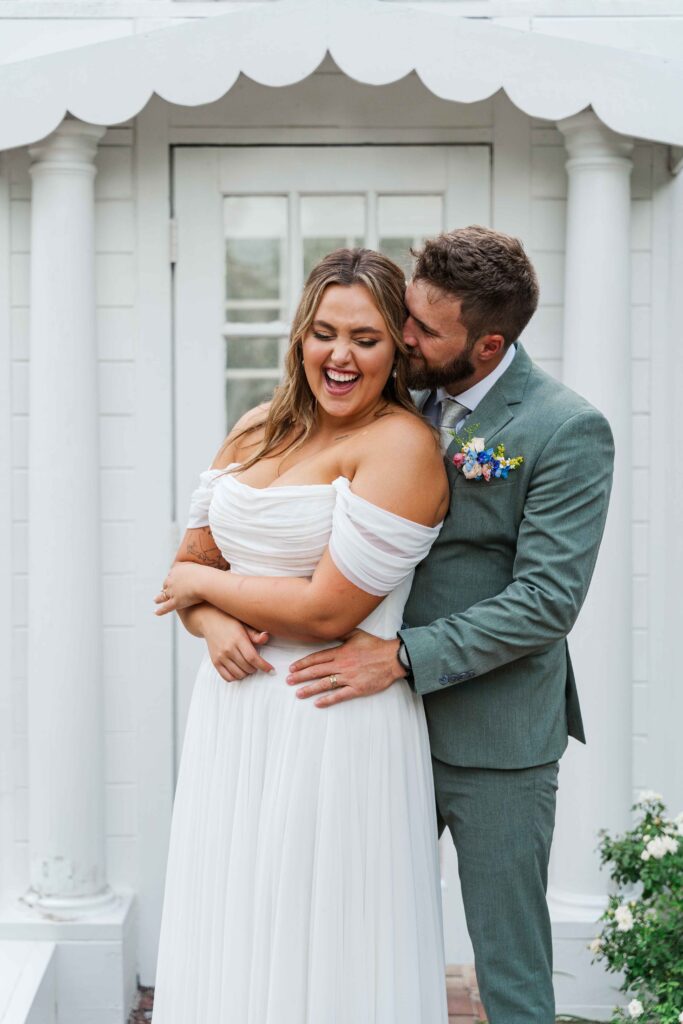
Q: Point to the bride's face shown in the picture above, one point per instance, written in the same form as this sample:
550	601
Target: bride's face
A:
348	352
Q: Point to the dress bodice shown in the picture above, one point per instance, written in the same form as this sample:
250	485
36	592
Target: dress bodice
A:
284	531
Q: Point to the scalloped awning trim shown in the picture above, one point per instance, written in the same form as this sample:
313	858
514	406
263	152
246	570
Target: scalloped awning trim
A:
284	41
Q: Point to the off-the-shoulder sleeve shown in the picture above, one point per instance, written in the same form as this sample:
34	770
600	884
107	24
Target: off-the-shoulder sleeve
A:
375	549
201	499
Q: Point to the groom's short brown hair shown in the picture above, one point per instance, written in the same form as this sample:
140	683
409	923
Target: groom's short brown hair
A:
491	275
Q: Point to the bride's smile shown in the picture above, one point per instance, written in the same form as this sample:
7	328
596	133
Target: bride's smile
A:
348	353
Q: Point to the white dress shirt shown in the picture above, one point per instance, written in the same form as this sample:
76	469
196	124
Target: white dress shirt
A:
474	395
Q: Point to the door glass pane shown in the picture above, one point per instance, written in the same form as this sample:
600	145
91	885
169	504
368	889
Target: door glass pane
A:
330	222
255	229
243	394
249	352
404	222
255	252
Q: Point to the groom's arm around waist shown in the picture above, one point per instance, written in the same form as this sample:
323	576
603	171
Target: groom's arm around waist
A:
559	536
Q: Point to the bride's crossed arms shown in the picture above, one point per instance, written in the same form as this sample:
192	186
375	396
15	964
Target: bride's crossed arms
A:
387	453
393	463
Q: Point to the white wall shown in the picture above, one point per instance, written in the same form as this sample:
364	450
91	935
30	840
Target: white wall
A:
528	198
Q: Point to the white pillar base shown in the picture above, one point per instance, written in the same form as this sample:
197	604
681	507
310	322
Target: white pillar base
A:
582	988
96	955
68	906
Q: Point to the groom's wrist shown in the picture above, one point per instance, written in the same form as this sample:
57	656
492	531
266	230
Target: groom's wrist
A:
403	661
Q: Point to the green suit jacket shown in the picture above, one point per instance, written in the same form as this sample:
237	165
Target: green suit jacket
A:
491	606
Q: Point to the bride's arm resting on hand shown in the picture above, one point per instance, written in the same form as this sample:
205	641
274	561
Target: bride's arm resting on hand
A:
232	645
401	472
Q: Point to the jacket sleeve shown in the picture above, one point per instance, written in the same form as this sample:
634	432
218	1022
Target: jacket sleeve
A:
559	536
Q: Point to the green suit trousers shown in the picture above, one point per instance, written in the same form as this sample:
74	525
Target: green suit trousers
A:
502	822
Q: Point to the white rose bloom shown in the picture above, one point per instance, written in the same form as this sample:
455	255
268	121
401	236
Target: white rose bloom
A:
680	1018
635	1008
624	918
645	855
648	796
595	946
661	845
478	444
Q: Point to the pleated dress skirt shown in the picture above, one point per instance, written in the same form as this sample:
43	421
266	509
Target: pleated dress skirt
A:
302	884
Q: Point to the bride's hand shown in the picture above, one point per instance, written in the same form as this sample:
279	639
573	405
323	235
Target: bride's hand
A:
182	587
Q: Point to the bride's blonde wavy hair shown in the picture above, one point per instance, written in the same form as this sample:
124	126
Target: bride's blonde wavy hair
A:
293	407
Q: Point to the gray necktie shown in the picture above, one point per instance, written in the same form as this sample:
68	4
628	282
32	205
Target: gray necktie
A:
451	413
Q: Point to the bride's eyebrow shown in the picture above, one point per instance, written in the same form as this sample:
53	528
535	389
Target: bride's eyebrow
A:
354	330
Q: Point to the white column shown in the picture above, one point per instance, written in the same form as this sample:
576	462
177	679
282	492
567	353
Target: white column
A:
66	790
595	781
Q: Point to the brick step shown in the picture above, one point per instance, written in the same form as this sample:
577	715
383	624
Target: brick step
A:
461	987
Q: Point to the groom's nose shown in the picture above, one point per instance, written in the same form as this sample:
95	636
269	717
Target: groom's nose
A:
409	333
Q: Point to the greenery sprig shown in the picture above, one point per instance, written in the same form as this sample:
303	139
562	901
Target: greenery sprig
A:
642	934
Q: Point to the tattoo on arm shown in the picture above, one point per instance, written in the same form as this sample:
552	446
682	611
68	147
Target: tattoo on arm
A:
203	549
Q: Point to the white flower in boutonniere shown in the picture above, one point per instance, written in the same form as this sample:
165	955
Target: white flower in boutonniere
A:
477	462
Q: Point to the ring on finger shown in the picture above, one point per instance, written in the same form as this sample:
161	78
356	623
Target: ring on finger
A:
334	683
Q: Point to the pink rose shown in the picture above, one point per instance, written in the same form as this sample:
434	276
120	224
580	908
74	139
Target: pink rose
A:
458	459
486	471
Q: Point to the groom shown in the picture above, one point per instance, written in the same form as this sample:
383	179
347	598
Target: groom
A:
484	640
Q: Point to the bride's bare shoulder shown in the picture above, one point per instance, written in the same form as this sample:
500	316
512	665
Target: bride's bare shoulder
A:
410	433
400	467
242	440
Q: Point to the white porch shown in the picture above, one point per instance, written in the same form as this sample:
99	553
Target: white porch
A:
104	291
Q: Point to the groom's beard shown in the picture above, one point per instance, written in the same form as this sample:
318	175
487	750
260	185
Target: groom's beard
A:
421	376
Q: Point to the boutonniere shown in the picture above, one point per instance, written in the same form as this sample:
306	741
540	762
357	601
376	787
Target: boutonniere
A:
477	462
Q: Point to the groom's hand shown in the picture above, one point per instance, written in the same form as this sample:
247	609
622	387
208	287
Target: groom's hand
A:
363	665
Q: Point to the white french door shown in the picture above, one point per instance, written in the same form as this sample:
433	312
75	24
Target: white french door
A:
250	223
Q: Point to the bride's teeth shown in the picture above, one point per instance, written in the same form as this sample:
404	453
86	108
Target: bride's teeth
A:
341	378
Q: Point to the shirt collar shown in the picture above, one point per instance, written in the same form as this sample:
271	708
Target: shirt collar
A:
473	396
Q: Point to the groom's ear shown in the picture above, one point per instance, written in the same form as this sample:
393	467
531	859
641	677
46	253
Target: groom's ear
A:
489	346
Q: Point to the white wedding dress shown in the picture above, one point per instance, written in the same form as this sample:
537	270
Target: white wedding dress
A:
302	884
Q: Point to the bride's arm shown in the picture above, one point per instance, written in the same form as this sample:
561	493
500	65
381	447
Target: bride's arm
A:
410	484
232	645
324	607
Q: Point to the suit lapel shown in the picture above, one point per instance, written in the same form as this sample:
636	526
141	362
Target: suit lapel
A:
496	409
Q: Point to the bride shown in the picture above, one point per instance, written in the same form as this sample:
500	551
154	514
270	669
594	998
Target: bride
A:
302	884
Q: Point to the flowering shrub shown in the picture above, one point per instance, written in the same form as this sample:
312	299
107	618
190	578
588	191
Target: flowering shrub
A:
643	924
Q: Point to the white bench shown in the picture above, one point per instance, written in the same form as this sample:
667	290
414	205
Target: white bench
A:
28	988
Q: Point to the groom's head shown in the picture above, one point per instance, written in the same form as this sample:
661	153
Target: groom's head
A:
472	293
